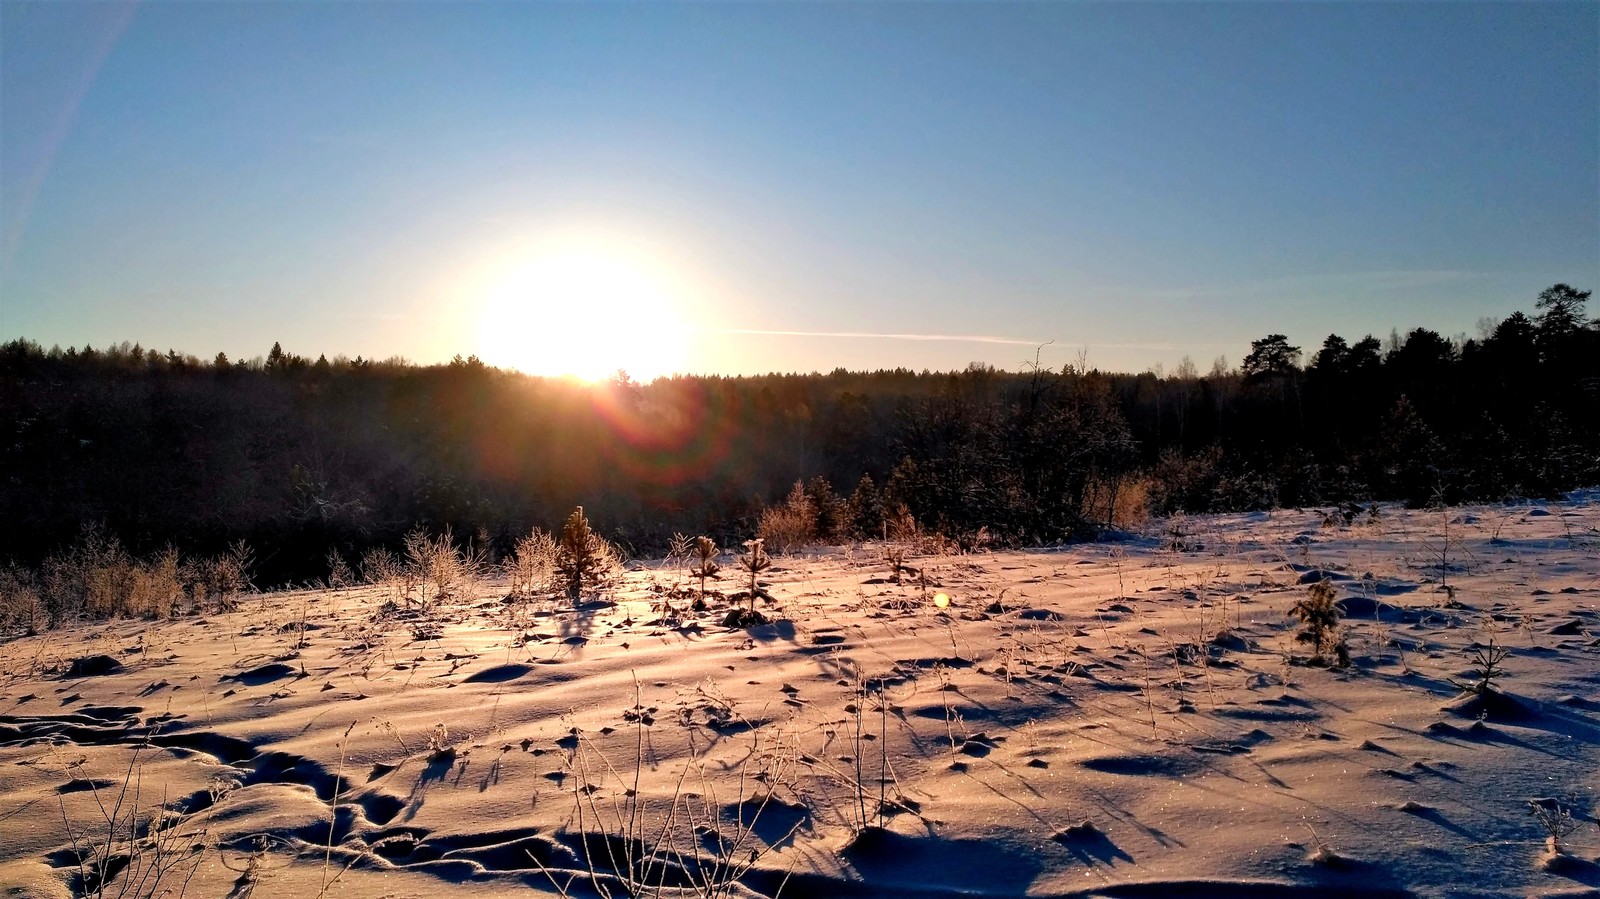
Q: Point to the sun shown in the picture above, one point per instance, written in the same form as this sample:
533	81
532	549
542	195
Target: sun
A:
582	312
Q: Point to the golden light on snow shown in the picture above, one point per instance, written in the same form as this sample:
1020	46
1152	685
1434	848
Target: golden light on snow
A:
942	600
585	311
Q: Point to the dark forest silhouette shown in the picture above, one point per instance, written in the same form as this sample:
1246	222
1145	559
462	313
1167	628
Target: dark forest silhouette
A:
296	456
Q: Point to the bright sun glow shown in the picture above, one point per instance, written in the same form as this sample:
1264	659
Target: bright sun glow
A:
582	312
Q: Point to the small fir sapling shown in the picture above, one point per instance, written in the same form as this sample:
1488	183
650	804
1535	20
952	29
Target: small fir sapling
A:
1320	615
582	556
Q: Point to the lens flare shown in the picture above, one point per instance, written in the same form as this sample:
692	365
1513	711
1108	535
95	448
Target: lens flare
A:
942	600
681	433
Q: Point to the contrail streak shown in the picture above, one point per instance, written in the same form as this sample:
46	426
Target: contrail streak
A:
953	338
871	335
60	125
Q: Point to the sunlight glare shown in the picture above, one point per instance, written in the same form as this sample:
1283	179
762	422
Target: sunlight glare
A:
582	313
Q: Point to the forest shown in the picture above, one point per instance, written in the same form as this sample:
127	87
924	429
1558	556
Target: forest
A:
299	457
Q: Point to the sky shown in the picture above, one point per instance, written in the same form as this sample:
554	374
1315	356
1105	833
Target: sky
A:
740	188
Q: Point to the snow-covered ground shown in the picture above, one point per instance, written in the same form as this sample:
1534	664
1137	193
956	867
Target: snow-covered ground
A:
1117	719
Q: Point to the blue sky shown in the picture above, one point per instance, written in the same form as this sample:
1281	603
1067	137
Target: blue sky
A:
1146	181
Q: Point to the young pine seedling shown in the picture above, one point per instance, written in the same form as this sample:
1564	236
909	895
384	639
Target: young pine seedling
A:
754	560
1486	659
583	558
704	562
1319	616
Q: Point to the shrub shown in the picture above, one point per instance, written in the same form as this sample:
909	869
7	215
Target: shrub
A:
88	578
973	541
1555	820
1180	483
339	573
679	549
154	588
20	603
382	568
532	563
900	525
1118	501
134	846
230	574
437	561
792	524
97	578
896	557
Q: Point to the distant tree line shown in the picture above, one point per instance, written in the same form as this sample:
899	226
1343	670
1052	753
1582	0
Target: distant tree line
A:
298	456
1418	417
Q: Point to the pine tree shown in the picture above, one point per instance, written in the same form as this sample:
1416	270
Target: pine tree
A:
864	509
755	560
705	561
1320	615
582	556
1561	312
